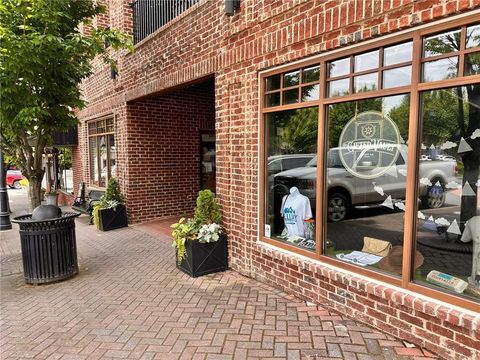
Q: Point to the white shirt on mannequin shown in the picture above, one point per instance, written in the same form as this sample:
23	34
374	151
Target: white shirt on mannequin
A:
472	232
295	209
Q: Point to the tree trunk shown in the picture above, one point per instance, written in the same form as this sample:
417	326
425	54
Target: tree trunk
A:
35	192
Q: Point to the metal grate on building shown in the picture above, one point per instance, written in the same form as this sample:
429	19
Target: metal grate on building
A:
150	15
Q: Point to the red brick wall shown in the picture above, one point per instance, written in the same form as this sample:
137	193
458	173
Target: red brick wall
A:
266	33
163	149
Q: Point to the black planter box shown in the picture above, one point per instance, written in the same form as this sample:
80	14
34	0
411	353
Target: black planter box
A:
203	259
110	219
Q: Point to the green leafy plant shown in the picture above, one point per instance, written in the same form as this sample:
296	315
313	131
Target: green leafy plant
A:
204	226
113	192
112	198
183	232
207	210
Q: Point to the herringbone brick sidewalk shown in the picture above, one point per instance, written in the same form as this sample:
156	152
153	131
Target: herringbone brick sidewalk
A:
129	301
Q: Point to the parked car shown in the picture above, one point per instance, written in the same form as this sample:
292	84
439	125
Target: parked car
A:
346	190
279	163
13	178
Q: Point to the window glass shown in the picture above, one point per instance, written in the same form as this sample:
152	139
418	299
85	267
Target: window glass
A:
397	54
473	36
338	67
472	64
290	96
272	99
448	225
113	166
297	161
442	43
338	87
92	128
366	82
366	182
291	79
311	74
397	77
102	145
93	160
274	165
65	176
110	127
290	194
440	69
366	61
101	127
102	153
310	92
272	83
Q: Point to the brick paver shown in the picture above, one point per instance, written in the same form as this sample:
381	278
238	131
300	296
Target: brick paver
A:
130	302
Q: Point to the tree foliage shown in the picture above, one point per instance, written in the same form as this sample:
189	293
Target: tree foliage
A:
43	59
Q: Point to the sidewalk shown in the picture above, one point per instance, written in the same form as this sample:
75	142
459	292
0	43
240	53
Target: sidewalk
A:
130	301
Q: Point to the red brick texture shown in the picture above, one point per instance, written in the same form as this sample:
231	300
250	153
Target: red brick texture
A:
163	148
204	42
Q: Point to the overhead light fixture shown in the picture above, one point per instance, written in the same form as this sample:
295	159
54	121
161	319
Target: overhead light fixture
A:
231	6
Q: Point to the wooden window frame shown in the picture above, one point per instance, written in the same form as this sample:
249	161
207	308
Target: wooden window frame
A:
96	182
414	90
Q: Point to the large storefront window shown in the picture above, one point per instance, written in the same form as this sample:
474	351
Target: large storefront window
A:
448	226
102	151
381	147
366	177
291	147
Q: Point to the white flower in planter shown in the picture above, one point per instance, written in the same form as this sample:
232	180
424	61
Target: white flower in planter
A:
209	233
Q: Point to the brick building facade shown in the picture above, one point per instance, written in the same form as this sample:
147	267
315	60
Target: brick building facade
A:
200	72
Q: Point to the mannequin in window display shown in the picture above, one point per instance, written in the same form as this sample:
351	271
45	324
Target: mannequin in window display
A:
295	208
472	232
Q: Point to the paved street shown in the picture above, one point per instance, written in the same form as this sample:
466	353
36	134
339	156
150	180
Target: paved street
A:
129	301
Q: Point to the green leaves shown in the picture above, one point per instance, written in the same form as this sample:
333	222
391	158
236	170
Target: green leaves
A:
43	59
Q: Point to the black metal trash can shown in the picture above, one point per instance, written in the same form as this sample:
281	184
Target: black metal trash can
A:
49	248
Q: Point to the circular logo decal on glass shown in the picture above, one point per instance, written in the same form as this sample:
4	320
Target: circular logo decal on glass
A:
369	145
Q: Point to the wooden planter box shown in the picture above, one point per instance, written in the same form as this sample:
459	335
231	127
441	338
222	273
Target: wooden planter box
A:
203	259
110	219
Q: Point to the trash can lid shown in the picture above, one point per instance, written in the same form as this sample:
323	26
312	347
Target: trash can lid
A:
45	212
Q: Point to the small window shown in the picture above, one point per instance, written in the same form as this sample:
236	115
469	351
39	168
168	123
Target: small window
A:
441	44
291	79
339	68
473	36
397	54
311	74
272	83
101	152
472	64
440	69
367	61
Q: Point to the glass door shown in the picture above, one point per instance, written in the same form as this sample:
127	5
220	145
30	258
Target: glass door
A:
207	158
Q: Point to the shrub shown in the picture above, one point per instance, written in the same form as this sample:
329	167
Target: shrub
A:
207	210
204	227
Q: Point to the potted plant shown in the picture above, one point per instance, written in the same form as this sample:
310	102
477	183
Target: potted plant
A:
201	243
110	212
52	197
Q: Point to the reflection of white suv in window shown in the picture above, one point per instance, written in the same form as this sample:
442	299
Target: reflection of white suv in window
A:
279	163
346	190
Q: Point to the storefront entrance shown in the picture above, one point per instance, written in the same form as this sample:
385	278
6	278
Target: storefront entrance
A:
171	151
